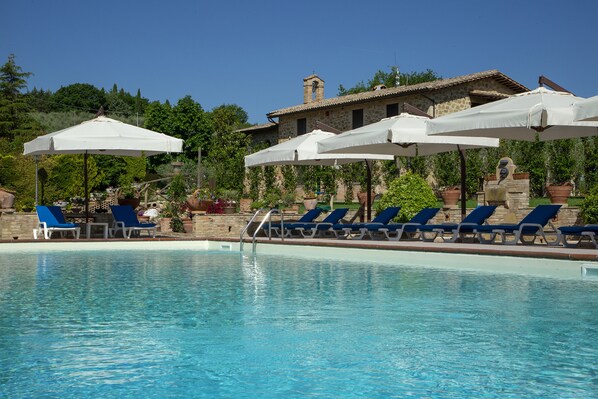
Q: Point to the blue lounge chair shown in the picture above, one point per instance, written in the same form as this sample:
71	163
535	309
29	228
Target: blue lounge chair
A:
476	217
276	227
358	230
394	231
310	230
588	232
51	219
531	225
125	220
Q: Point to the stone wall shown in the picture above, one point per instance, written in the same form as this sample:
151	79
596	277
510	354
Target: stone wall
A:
18	224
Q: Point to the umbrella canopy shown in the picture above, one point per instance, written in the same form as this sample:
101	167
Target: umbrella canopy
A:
402	135
303	150
104	136
519	117
586	110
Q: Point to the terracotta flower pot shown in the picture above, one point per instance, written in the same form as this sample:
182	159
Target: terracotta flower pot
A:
450	197
362	197
188	225
310	203
229	209
134	202
559	194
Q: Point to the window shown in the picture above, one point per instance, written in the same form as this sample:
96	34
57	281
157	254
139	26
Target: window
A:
357	118
392	110
301	126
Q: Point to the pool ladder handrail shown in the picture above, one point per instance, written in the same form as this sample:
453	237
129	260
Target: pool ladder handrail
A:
267	218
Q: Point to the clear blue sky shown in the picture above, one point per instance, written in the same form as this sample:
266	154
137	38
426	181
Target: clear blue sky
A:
256	53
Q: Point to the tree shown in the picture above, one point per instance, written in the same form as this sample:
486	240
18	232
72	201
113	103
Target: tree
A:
66	177
82	96
227	159
14	118
389	79
229	117
191	123
39	100
590	171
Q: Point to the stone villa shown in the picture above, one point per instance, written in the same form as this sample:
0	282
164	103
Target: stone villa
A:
351	111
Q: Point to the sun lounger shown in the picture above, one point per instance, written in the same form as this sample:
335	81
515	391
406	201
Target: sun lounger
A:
531	225
588	232
51	219
125	220
276	227
394	231
358	230
456	231
310	230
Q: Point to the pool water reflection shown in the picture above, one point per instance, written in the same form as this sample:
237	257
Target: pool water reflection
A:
182	323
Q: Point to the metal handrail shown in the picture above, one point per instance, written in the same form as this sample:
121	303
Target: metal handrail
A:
268	218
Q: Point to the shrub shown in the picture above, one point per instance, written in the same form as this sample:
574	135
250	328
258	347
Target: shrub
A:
411	192
589	207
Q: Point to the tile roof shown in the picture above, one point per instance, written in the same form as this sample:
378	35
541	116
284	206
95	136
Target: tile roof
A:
401	90
263	126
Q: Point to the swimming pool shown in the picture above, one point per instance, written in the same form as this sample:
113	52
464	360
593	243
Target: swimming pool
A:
186	323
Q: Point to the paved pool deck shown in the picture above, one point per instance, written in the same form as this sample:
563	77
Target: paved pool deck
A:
537	251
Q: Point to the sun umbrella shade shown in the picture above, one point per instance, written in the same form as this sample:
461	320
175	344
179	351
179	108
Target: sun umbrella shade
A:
586	110
104	136
546	112
303	150
402	135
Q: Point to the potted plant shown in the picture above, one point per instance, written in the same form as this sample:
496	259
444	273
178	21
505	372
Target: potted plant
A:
446	172
230	198
99	197
310	201
560	166
288	202
129	196
175	208
77	204
200	200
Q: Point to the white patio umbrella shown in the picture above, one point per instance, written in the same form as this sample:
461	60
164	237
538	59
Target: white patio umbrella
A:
586	110
519	117
303	150
403	135
103	136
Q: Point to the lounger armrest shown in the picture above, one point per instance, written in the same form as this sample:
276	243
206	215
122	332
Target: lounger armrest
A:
461	225
318	225
405	225
524	225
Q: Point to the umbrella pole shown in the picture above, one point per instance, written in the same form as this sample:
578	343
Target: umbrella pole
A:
85	187
463	183
36	179
369	193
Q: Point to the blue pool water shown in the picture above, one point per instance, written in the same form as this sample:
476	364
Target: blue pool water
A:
182	324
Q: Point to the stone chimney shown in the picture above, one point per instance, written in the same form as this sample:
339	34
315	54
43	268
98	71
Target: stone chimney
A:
313	89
